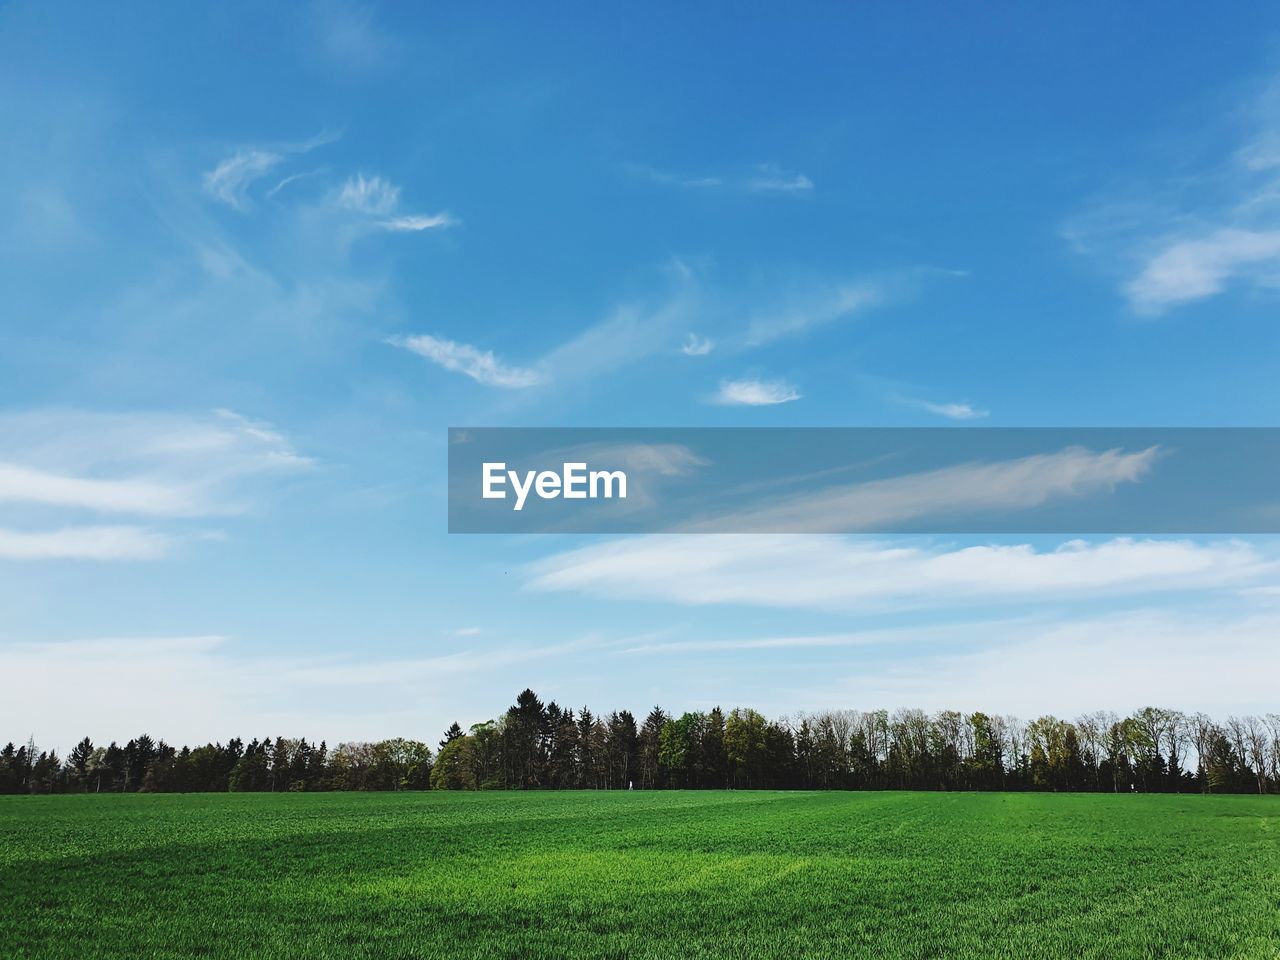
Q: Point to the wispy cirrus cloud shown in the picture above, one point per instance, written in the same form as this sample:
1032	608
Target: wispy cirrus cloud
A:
373	199
814	308
230	180
414	223
696	346
140	496
1021	483
481	366
754	643
834	573
953	411
629	333
764	179
643	172
797	305
63	464
378	199
753	393
371	195
1195	236
636	330
1195	268
84	543
770	178
145	463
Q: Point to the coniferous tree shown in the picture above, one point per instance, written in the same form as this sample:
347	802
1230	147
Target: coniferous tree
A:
714	761
78	763
450	735
652	772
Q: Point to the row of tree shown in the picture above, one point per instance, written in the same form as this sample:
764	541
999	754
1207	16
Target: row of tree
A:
543	746
284	764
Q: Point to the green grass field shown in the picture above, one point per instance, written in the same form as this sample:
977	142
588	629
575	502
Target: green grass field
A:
639	875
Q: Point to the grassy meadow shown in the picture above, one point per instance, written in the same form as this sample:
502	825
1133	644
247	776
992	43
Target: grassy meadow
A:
670	874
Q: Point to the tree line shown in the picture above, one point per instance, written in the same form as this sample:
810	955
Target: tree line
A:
544	746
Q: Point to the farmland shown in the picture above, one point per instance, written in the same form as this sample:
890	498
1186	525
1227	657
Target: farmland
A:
661	874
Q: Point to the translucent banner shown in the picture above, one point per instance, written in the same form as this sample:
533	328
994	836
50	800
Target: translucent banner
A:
865	480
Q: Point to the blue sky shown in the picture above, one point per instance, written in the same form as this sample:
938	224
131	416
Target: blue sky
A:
255	262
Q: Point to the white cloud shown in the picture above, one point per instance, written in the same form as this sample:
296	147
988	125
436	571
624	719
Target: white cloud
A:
373	195
628	334
797	642
141	496
772	179
154	465
754	393
766	178
644	172
480	365
192	689
1002	485
229	181
1198	233
1220	664
1193	269
416	223
378	199
634	331
145	463
696	346
813	310
375	199
285	181
954	411
841	573
625	336
83	543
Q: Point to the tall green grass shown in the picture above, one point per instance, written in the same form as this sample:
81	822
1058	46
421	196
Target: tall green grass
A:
737	875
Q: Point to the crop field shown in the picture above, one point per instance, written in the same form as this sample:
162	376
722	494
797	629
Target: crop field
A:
639	875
